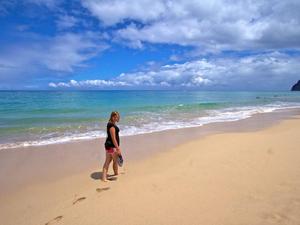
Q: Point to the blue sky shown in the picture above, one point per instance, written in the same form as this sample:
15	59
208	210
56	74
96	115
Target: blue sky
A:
143	44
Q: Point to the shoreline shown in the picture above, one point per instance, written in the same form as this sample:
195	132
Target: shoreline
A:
229	116
21	167
245	173
85	139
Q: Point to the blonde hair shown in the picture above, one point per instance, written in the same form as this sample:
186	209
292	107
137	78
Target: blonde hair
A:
114	113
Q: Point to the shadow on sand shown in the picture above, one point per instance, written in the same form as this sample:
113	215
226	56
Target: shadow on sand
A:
98	176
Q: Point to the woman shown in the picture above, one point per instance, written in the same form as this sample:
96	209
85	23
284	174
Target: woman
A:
112	145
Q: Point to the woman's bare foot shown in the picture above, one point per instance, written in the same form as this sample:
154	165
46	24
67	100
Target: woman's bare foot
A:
104	178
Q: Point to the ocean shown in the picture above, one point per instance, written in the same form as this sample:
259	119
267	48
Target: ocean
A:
29	118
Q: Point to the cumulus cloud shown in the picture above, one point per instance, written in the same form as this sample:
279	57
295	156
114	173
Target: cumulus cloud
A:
112	12
257	72
88	83
209	25
206	26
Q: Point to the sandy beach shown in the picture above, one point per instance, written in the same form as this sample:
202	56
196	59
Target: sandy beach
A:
237	173
202	99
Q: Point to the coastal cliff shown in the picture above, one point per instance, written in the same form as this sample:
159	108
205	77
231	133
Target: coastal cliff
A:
296	87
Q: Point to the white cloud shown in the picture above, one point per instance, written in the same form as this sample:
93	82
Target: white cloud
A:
70	51
88	84
259	72
112	12
65	22
63	54
205	25
209	25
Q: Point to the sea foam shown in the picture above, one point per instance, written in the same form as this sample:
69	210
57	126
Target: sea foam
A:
221	115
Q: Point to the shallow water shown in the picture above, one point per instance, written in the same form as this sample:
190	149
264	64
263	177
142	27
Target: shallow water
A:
45	117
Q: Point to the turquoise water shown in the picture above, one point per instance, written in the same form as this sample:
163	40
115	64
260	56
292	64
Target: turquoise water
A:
45	117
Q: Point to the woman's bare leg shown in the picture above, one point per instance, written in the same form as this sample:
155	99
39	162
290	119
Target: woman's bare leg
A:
105	166
115	163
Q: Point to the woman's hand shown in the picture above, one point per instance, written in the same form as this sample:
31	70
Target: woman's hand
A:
118	150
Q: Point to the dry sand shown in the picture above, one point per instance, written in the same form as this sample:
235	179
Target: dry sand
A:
231	178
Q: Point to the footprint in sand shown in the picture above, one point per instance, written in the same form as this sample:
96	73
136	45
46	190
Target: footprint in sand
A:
276	217
270	151
79	200
55	220
155	188
102	189
296	201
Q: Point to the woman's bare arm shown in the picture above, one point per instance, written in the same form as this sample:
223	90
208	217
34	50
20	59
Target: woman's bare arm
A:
112	131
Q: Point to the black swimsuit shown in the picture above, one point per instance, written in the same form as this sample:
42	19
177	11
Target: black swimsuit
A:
108	142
